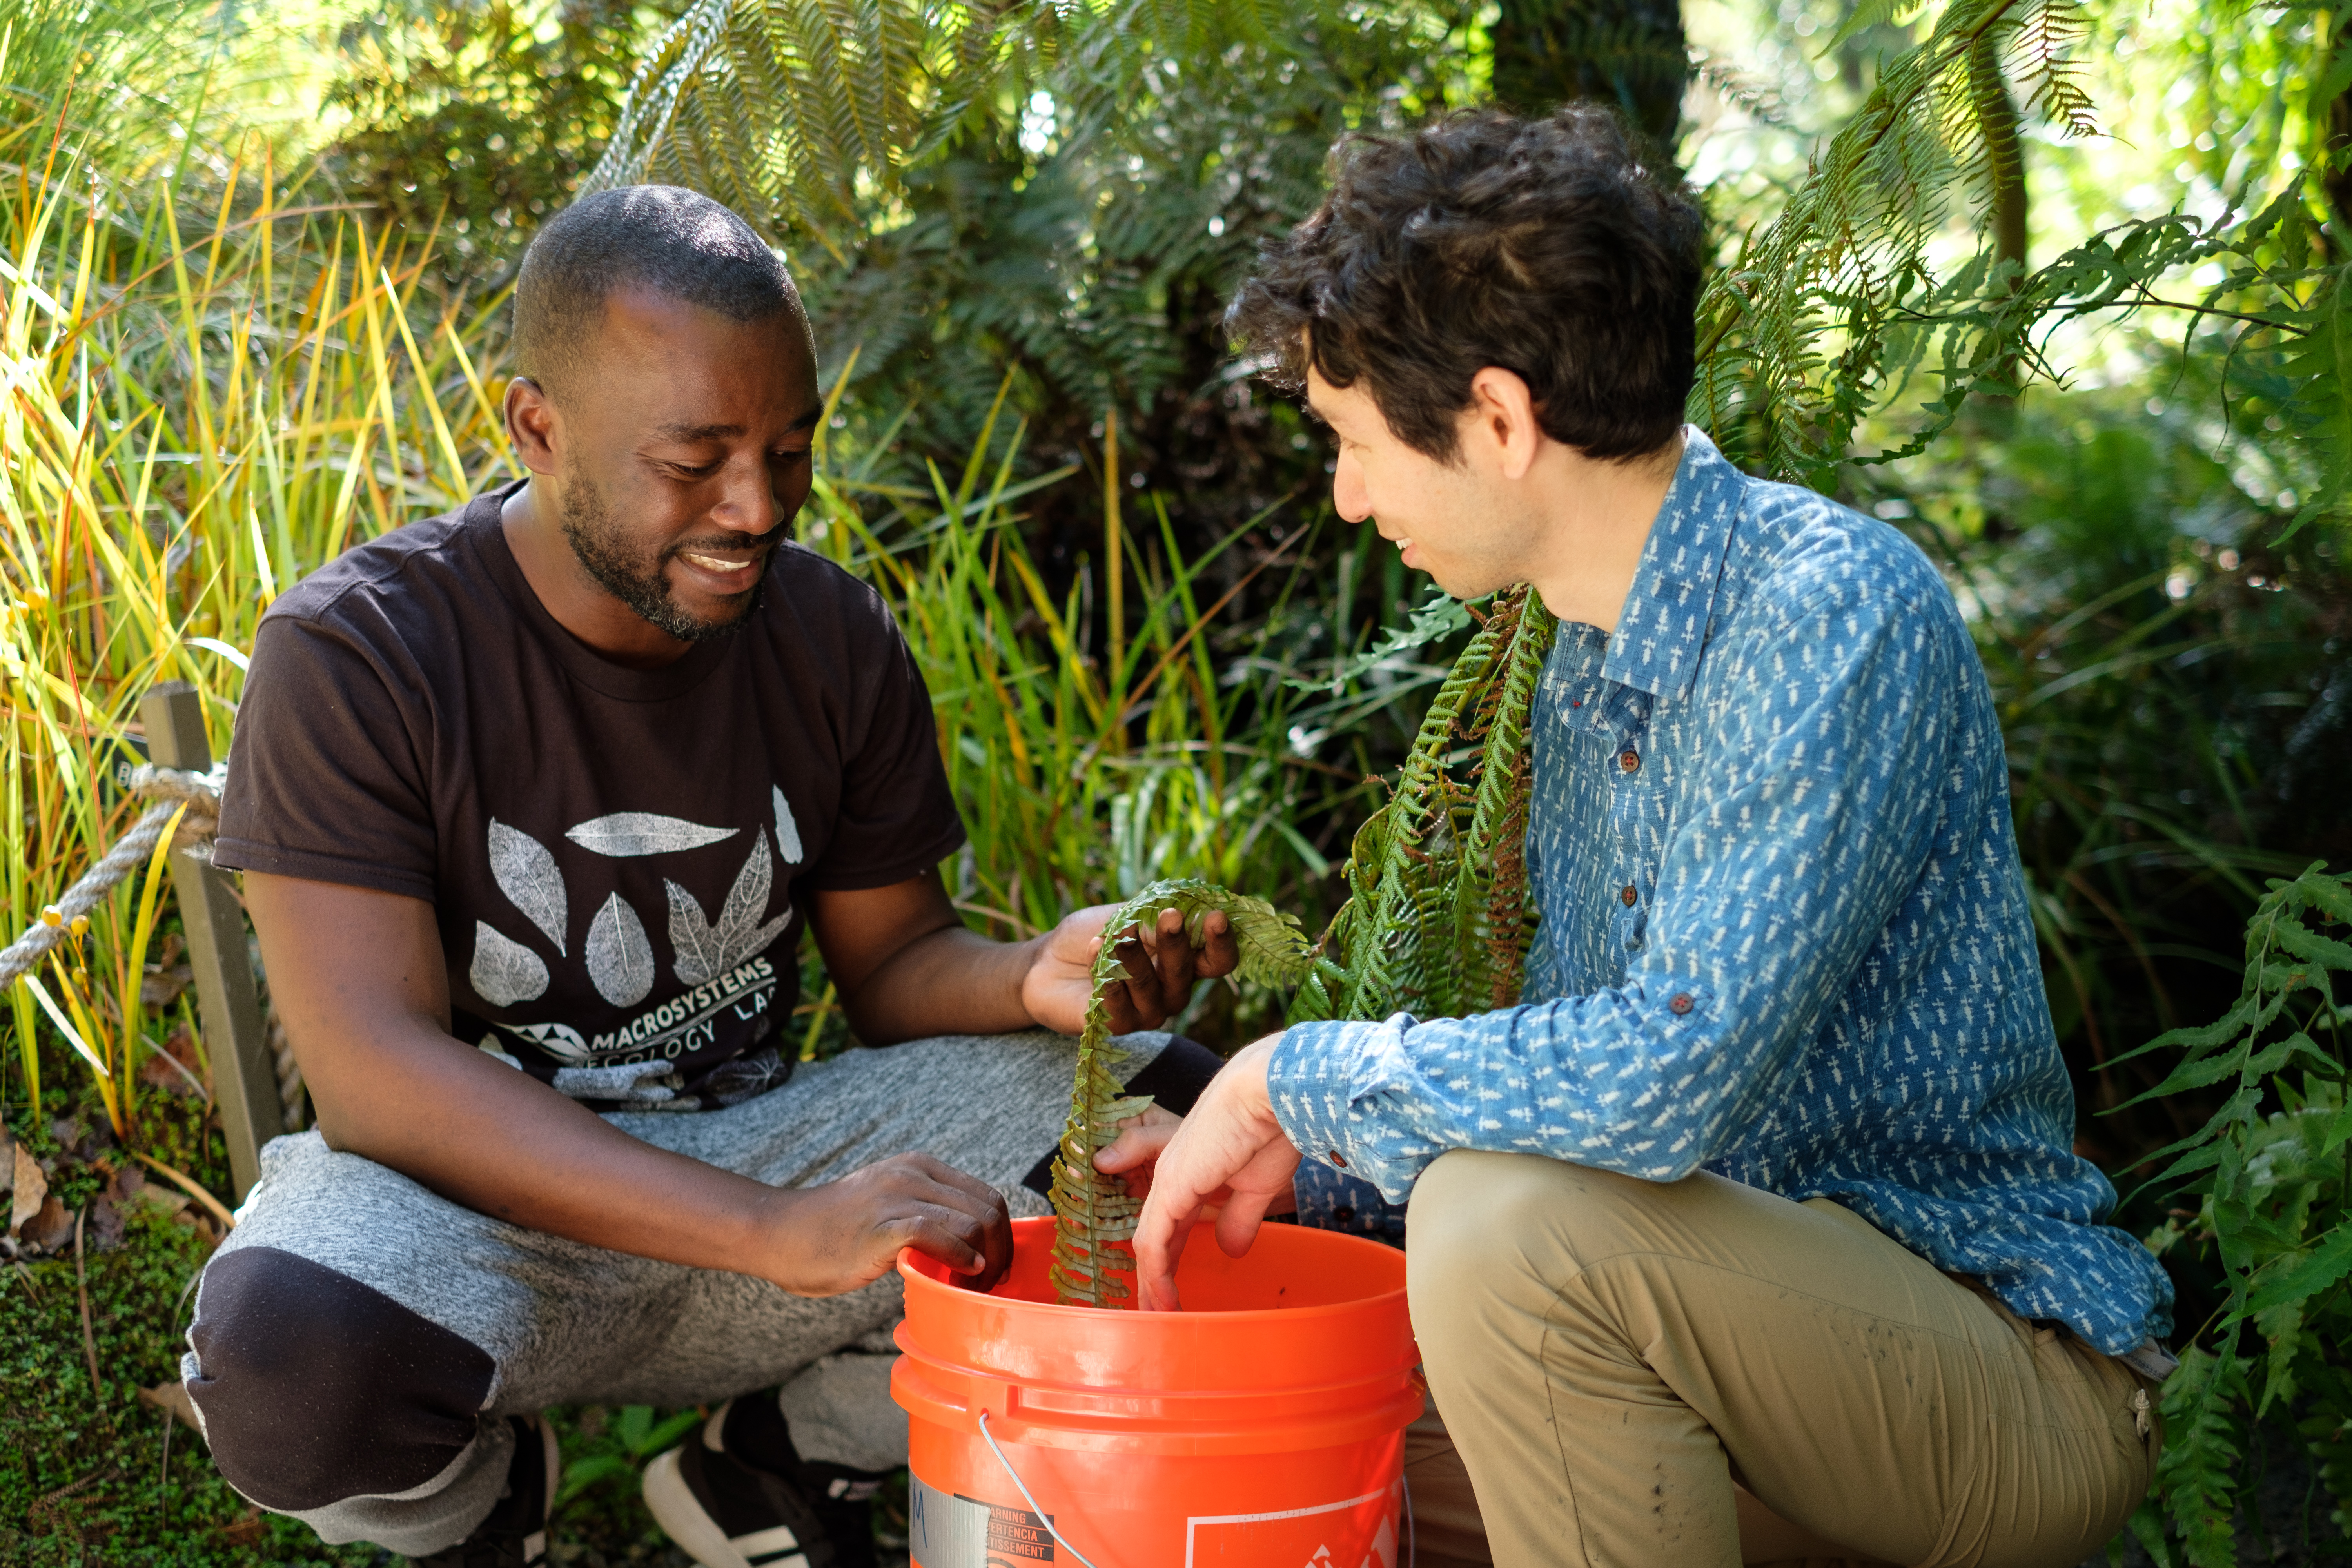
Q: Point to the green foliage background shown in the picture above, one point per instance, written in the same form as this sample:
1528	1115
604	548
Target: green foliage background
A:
2124	441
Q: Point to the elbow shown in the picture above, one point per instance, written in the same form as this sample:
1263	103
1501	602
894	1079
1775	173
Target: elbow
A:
869	1022
348	1128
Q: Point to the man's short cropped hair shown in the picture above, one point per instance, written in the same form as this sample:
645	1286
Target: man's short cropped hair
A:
677	242
1549	248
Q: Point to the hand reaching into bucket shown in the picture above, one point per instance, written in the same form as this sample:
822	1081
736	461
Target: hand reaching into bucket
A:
1230	1150
842	1235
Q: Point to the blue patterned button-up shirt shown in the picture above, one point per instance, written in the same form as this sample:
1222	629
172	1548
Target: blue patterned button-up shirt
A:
1785	936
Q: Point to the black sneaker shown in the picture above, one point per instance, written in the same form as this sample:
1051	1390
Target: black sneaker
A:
515	1534
740	1495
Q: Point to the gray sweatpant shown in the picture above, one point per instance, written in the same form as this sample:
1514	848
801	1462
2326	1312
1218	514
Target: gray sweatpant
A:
561	1322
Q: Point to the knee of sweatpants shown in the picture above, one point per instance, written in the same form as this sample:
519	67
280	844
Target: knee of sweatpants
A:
1176	1077
314	1387
1483	1228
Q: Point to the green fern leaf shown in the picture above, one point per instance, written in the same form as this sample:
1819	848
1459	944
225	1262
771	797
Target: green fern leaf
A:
1095	1216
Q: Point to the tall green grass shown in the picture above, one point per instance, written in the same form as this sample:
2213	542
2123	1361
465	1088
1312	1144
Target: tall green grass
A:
192	420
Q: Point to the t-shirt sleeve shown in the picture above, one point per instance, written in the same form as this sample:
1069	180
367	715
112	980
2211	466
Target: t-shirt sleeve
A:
898	817
325	781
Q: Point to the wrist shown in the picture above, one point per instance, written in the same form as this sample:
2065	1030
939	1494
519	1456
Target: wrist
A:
952	981
1257	1063
1318	1080
1021	960
762	1230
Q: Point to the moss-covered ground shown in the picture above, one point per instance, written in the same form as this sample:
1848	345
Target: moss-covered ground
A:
94	1476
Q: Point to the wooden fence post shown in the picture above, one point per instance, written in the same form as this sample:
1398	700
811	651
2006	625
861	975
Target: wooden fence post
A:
245	1081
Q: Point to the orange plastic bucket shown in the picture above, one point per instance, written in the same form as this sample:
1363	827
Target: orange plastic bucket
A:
1262	1425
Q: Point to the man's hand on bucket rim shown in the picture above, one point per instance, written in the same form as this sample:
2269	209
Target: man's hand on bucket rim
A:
832	1238
1229	1148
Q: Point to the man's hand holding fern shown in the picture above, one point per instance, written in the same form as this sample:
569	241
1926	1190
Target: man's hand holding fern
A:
1229	1151
1161	965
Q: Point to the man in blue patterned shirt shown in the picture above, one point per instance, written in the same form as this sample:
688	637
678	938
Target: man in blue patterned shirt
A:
1753	1232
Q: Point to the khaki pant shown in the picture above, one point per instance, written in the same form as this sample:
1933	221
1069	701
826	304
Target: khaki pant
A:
1701	1373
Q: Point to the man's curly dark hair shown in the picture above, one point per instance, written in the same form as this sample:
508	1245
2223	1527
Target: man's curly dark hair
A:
1548	248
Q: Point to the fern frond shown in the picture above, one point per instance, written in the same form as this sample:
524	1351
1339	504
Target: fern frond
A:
2197	1476
1847	263
1436	914
2321	408
1437	918
1095	1216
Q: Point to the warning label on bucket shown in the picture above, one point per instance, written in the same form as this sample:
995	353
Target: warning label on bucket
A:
947	1530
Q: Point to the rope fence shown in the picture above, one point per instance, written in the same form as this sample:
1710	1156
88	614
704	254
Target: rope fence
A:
170	788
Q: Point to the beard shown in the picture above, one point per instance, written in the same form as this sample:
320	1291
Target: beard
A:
633	576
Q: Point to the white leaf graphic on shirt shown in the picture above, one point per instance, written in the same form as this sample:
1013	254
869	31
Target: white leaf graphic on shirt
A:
704	950
527	875
788	832
504	972
620	957
644	833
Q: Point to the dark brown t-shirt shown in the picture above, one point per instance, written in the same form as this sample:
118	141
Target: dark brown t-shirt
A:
617	859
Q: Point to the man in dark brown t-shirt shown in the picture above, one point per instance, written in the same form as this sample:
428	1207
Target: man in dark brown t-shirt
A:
619	860
533	801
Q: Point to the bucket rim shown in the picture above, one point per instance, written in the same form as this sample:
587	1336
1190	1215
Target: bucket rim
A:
912	1269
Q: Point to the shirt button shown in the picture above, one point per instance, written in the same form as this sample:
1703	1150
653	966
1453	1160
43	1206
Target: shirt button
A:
1344	1213
1630	760
1629	895
1679	1003
1338	1159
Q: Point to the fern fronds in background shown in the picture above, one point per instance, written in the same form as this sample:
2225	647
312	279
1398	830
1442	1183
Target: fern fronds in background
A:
1094	1212
780	108
1059	189
2275	1206
1794	333
1827	317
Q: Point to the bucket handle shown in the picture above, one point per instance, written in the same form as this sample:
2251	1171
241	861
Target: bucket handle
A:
1411	1553
1022	1486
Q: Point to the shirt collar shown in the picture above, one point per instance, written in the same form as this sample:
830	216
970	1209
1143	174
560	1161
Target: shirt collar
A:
1663	630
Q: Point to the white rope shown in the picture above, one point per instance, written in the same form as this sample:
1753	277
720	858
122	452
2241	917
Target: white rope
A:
171	788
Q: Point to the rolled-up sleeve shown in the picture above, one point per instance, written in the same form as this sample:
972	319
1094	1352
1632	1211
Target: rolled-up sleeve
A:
1810	817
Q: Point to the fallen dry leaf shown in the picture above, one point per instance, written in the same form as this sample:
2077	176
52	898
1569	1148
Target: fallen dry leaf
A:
173	1398
51	1229
180	1075
31	1186
105	1232
162	984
